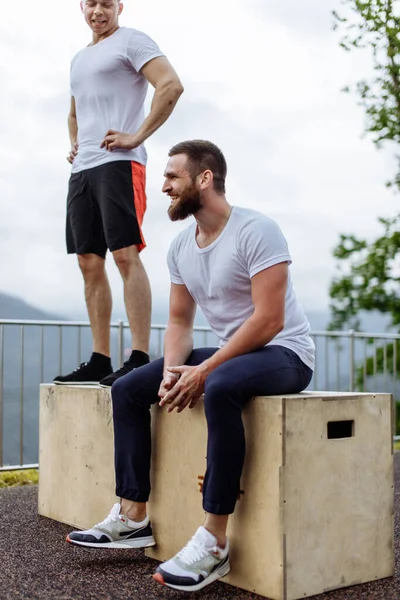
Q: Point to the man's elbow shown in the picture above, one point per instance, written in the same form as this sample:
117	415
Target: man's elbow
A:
173	88
176	88
273	326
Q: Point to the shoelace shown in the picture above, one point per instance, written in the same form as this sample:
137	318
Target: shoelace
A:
85	364
125	369
194	551
113	517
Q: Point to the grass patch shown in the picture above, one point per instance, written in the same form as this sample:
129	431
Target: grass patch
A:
16	478
396	446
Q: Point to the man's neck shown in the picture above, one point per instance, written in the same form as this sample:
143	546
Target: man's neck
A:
99	38
212	221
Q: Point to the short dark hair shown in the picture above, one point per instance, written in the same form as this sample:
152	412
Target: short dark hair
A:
203	156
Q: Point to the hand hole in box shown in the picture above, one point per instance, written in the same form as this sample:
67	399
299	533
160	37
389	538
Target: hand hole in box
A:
338	430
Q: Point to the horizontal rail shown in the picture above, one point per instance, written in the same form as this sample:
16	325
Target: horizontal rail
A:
357	334
114	325
18	468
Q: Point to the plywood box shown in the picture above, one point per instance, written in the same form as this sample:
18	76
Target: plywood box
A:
316	506
76	454
315	513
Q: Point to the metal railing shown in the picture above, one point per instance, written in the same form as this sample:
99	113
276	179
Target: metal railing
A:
31	352
363	356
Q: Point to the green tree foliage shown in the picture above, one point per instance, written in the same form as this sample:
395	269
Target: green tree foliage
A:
368	273
372	280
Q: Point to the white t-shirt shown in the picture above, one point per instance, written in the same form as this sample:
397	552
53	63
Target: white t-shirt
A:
109	93
218	277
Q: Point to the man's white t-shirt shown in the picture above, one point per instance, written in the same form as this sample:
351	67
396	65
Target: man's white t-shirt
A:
109	93
218	277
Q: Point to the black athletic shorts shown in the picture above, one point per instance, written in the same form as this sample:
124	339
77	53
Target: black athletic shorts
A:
105	208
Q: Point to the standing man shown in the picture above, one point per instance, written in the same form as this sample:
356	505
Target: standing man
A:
234	263
106	198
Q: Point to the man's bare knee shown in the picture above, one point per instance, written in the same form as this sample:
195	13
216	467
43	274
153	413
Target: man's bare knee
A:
92	266
127	260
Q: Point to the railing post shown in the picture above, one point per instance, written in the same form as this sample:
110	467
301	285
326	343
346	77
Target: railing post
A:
159	344
120	343
21	399
1	391
351	359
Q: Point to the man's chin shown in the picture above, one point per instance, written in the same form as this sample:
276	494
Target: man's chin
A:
180	211
177	216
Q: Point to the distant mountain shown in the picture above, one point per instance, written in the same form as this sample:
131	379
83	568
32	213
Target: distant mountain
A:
12	307
16	308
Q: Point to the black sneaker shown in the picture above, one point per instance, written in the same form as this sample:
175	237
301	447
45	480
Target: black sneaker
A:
137	359
87	373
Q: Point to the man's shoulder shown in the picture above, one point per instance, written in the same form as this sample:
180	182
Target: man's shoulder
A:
247	217
77	54
134	36
183	236
124	35
132	31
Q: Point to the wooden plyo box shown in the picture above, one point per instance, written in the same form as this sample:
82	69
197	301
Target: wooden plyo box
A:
315	511
316	504
76	454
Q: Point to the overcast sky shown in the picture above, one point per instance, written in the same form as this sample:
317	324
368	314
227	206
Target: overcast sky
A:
262	80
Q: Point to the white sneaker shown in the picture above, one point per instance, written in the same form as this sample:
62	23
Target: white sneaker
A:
198	564
116	531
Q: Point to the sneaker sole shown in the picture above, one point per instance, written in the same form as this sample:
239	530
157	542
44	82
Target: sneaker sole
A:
218	574
110	385
146	542
76	382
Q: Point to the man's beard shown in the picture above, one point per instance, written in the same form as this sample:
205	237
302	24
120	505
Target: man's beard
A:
189	203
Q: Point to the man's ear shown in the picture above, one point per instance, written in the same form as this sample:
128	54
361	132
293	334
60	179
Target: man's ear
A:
120	8
206	179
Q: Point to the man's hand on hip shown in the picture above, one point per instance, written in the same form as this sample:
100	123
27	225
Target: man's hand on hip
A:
73	153
117	140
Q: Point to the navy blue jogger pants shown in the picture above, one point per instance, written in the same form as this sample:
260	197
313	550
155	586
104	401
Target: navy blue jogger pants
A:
272	370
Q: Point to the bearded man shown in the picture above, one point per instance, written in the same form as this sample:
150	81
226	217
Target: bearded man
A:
233	263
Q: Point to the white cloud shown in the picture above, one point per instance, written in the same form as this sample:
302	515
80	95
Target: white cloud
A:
262	80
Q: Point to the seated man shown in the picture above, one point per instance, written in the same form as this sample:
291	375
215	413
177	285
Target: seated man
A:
233	263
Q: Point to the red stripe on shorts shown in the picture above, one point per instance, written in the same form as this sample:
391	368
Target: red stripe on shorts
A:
140	200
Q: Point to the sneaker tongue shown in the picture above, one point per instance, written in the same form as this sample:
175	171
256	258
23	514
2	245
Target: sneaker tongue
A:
116	509
205	538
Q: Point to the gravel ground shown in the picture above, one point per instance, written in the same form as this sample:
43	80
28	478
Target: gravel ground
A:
35	563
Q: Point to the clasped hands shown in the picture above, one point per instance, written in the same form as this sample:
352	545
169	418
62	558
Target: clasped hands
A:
181	387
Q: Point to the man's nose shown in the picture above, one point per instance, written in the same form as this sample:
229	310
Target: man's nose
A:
166	187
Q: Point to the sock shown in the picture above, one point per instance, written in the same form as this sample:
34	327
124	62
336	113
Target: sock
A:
139	358
136	524
100	359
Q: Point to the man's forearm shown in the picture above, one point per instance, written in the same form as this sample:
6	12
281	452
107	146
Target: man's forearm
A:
164	101
178	344
72	129
252	335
